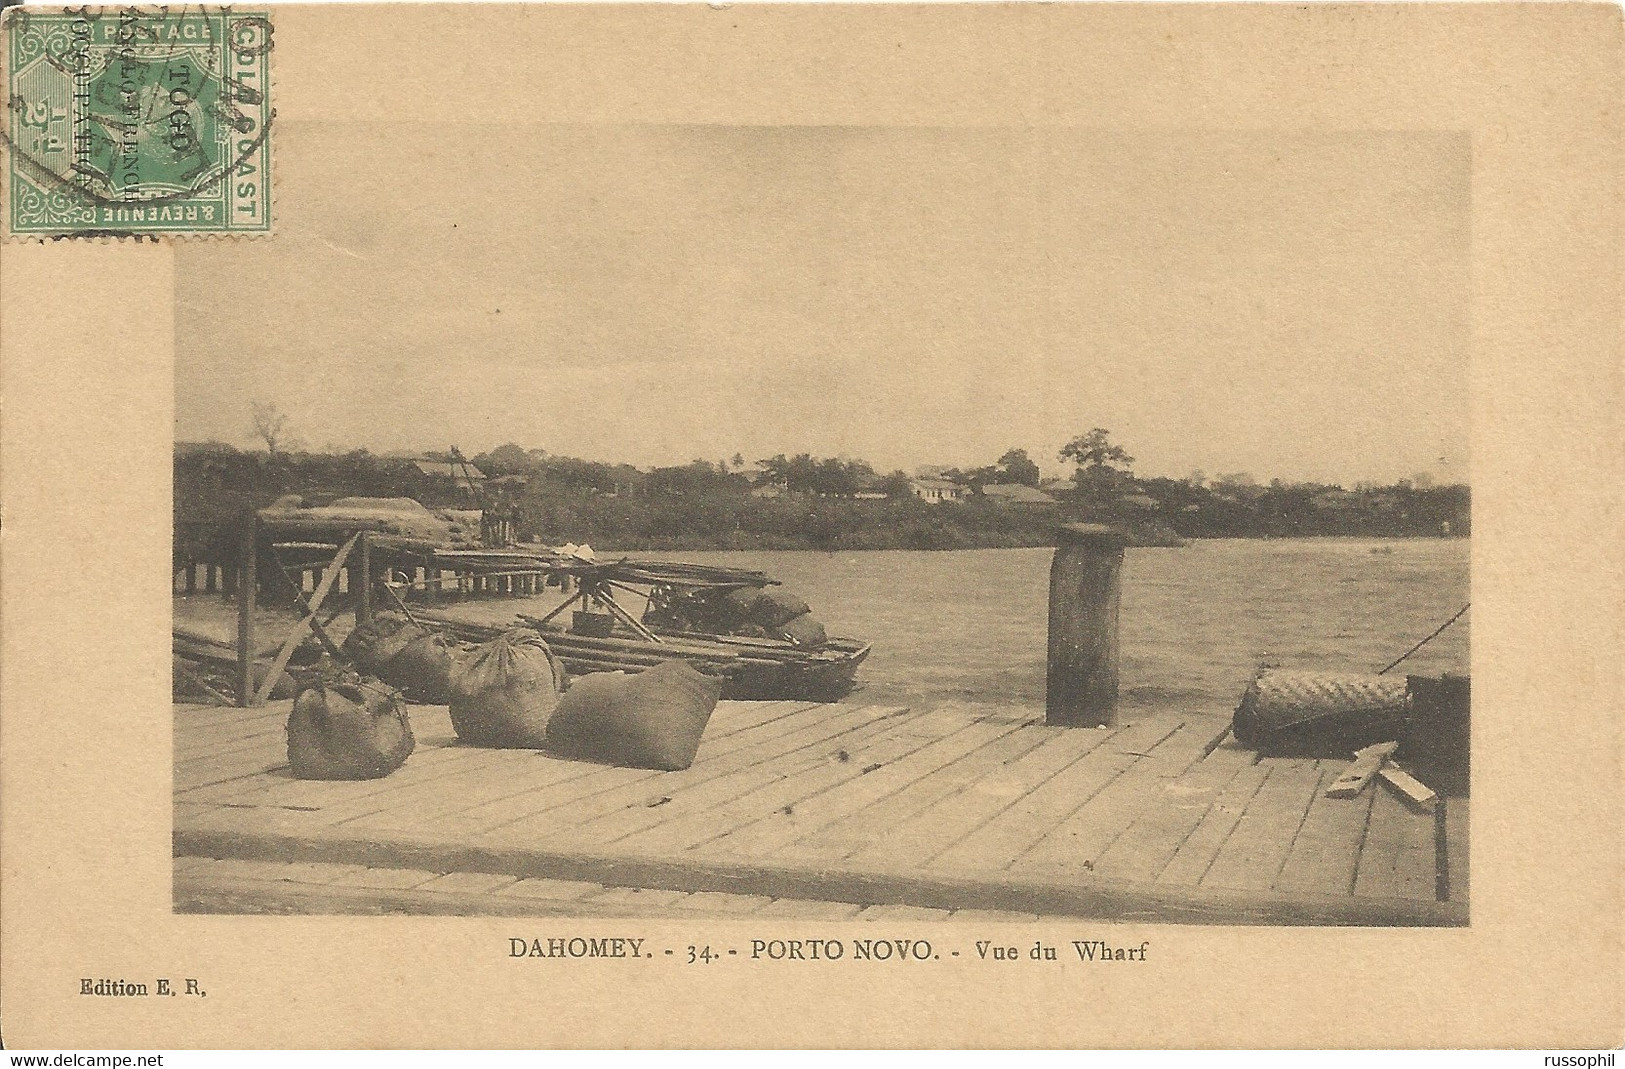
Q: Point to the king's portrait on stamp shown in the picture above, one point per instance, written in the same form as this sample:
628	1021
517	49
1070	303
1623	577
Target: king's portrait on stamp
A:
137	121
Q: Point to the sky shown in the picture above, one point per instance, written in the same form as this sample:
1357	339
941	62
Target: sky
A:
1293	306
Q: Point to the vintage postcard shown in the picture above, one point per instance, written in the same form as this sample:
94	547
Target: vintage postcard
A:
986	525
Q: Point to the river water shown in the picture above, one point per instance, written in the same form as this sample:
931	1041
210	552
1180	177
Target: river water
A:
971	624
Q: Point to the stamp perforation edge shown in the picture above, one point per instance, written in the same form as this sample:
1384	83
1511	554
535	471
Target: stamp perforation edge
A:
148	90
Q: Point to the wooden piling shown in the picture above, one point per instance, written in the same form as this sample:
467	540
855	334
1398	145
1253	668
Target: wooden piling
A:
363	572
1085	583
209	573
247	554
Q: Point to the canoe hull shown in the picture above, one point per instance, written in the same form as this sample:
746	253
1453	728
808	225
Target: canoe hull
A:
764	673
752	669
816	681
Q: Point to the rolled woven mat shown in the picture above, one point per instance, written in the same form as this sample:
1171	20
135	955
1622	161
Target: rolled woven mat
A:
1320	714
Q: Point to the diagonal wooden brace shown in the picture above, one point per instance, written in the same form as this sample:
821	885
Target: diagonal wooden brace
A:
329	577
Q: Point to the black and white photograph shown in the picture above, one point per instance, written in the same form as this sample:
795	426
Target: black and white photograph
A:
831	522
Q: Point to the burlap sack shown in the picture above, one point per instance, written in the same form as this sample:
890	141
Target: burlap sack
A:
503	692
803	631
769	607
348	730
373	645
423	669
650	720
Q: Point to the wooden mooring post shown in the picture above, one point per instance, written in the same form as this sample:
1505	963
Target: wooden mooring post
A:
1085	581
363	574
248	552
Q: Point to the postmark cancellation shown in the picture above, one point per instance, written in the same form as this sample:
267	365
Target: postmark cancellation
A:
137	121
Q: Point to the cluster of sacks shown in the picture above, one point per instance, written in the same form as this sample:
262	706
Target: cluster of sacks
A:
750	612
510	692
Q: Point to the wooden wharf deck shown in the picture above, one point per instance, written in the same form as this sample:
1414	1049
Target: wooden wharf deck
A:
958	807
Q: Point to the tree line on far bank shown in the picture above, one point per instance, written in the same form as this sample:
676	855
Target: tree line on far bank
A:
807	502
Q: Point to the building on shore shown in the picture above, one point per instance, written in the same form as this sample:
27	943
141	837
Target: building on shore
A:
1017	495
937	491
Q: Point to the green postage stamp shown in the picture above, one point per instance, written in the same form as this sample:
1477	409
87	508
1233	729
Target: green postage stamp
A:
137	121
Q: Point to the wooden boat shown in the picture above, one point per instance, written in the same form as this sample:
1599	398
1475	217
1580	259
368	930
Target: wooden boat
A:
606	637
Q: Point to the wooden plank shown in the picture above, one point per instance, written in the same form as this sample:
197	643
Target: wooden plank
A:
952	819
857	754
268	745
195	745
1092	897
1077	844
433	760
419	808
793	834
589	798
197	731
483	786
1322	858
940	772
1202	734
1366	764
201	738
190	718
363	606
1397	859
309	618
1252	856
809	909
1078	841
1456	830
799	788
227	769
1151	841
920	838
248	550
1418	794
613	815
997	844
430	726
1195	855
284	790
322	806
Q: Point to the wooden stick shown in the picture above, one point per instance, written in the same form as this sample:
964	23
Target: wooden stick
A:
328	579
1410	788
401	604
249	550
1367	763
299	602
579	595
363	608
626	618
628	645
